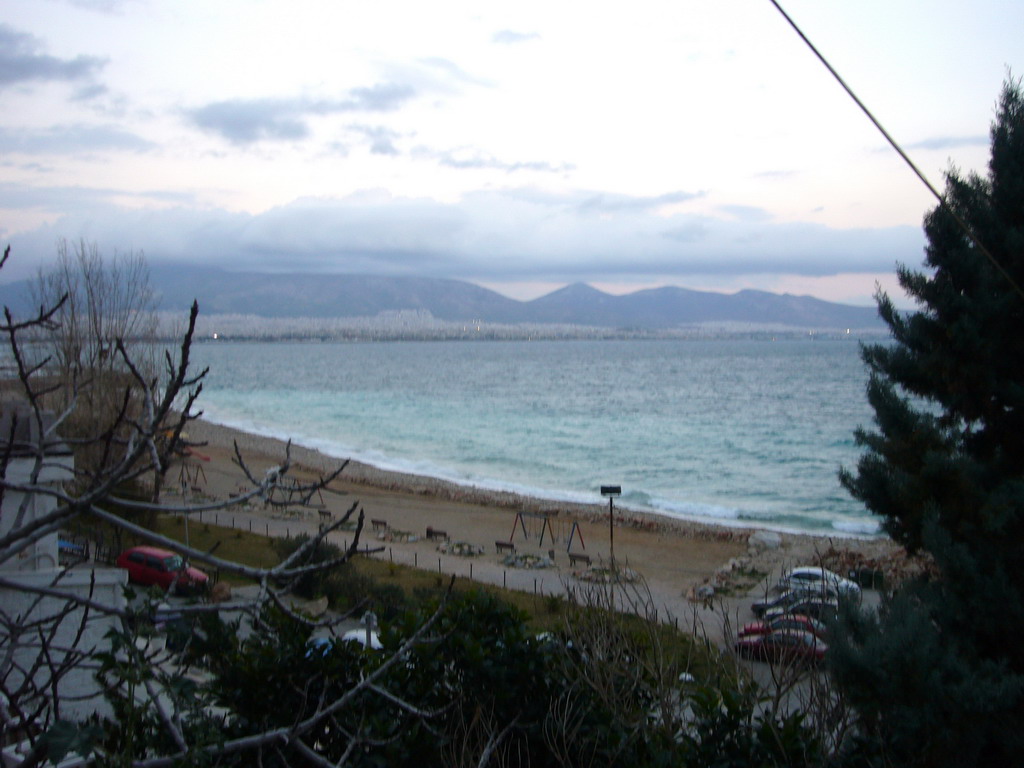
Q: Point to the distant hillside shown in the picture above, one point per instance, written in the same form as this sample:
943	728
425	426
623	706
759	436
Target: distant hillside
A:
343	296
671	307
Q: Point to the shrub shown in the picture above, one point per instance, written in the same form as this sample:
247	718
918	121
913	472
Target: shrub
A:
313	584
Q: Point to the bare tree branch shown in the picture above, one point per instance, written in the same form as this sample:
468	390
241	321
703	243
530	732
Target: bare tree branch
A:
83	368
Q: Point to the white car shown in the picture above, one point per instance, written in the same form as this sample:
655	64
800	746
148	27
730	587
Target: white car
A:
809	578
366	639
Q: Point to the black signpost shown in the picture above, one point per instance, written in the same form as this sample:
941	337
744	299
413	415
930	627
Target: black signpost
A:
611	491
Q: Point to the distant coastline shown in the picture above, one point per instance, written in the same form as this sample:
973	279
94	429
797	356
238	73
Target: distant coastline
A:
293	306
422	326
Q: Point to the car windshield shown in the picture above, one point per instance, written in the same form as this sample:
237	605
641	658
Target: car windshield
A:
173	563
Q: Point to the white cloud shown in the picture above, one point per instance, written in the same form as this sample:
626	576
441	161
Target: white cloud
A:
21	61
487	236
509	142
242	121
509	37
71	139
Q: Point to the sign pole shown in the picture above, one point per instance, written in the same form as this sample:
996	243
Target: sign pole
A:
611	491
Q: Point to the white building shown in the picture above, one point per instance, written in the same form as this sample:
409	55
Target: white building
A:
35	590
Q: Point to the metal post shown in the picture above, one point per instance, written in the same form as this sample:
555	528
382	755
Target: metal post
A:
611	491
611	529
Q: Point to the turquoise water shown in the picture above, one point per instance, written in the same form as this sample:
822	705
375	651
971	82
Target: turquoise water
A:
735	432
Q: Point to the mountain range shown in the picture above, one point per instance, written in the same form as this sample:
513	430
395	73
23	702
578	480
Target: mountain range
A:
292	295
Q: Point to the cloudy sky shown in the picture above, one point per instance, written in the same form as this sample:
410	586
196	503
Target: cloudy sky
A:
519	145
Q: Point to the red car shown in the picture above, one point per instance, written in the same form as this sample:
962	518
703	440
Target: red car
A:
794	621
150	566
783	645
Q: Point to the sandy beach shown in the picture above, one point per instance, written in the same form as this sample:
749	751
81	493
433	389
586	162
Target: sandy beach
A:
674	558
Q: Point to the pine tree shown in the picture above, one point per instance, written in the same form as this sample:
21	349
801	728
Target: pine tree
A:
939	675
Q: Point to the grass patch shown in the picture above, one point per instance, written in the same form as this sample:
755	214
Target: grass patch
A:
227	543
546	613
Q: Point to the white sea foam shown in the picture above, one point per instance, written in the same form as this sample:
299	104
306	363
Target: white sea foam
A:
857	527
694	510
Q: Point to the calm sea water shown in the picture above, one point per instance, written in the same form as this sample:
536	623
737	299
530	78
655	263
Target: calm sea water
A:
736	432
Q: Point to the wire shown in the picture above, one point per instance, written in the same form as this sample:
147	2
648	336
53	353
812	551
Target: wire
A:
942	202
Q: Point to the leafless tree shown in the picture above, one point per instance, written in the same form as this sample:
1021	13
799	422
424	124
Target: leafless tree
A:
619	653
57	625
98	303
624	657
479	738
788	684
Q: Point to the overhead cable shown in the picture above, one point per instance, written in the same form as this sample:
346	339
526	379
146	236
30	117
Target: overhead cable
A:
942	201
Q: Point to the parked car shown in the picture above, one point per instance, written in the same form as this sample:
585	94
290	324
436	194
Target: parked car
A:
785	645
793	621
820	608
814	578
366	639
319	647
150	566
784	601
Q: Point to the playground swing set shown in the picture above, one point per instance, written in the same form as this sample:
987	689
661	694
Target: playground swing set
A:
191	474
541	524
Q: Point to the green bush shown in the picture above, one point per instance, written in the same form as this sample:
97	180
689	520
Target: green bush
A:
343	585
315	583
